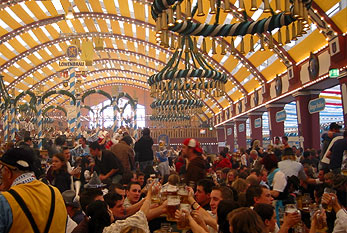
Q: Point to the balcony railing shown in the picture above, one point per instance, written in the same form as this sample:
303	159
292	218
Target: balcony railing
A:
184	132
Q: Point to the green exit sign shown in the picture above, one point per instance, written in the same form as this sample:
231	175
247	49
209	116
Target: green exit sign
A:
334	73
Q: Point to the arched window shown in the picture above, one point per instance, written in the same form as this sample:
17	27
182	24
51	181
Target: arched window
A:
105	118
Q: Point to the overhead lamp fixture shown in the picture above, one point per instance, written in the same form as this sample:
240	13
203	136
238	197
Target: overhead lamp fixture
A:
198	76
175	90
293	12
69	15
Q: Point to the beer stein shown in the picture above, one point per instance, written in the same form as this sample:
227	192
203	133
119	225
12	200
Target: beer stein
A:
173	203
183	193
183	224
328	207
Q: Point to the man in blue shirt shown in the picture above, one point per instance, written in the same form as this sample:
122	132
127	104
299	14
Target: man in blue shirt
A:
82	149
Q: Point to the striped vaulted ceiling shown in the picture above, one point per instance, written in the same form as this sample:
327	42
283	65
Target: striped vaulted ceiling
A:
31	44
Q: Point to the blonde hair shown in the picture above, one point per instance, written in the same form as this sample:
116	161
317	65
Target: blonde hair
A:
270	148
256	144
240	185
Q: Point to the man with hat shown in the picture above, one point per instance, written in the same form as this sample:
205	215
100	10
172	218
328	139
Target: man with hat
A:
95	182
26	203
196	165
73	206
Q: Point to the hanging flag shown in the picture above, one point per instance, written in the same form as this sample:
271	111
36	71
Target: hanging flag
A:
77	43
99	43
87	54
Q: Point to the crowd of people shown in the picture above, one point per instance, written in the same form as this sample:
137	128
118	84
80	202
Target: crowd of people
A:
119	183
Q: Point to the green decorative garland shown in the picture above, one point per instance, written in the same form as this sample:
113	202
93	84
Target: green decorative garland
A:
122	109
26	107
93	91
61	92
176	74
54	107
177	105
33	99
171	82
106	106
4	95
132	102
88	107
236	29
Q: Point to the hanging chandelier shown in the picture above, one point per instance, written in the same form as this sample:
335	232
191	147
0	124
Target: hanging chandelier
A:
183	106
178	87
293	15
195	77
170	117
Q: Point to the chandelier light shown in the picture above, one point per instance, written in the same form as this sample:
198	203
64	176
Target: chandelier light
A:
186	77
293	13
69	14
198	77
183	106
170	117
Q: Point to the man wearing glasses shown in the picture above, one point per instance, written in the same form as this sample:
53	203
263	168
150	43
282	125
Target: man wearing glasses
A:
26	203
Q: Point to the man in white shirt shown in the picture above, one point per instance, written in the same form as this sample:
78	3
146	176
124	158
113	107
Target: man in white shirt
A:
28	126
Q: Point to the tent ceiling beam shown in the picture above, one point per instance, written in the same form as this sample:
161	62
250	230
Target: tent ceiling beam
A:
56	19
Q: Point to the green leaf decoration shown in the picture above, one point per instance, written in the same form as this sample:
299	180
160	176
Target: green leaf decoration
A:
101	92
54	107
33	99
104	93
19	97
47	94
67	93
126	95
88	107
187	28
61	92
87	94
107	106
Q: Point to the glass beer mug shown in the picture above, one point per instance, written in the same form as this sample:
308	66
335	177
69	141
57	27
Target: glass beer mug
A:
173	203
328	207
183	224
183	193
289	209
